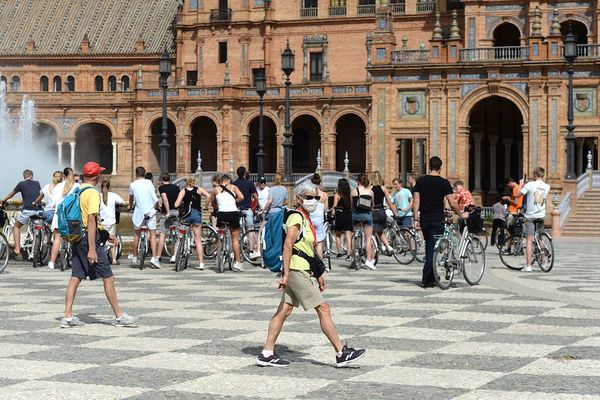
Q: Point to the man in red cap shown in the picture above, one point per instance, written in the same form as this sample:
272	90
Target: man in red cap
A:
89	257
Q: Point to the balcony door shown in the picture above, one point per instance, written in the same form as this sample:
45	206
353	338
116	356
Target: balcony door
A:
223	5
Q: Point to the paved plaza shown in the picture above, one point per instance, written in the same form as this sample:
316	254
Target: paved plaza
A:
515	336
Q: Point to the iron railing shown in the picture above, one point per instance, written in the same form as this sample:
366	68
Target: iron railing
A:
410	56
366	9
337	11
310	12
494	53
426	6
398	8
220	14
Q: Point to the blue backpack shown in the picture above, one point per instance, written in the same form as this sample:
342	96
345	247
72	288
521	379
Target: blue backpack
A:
273	237
70	224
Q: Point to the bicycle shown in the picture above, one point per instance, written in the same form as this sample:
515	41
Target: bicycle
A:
4	245
452	255
65	255
143	242
26	242
359	246
184	247
224	248
210	241
119	246
246	236
513	251
403	243
42	240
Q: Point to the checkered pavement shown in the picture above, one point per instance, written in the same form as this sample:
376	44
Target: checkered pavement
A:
200	332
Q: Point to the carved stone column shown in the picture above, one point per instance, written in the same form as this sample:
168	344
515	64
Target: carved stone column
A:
114	158
59	154
403	164
72	155
492	139
477	139
507	153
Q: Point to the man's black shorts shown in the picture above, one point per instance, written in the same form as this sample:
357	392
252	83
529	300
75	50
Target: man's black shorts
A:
82	268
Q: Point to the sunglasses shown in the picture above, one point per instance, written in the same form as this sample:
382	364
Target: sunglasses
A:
311	197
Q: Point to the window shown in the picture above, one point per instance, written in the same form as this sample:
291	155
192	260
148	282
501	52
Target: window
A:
44	86
310	3
15	84
222	52
125	83
193	5
112	83
192	78
337	3
99	83
70	86
316	67
366	2
259	3
223	4
57	84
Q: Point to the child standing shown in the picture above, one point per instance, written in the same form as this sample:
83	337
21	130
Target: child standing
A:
499	222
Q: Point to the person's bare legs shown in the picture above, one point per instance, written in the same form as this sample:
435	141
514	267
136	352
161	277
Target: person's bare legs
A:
349	243
161	241
276	324
197	229
383	240
111	295
369	240
529	250
17	237
136	241
320	249
154	244
113	250
70	295
328	327
56	242
235	238
338	242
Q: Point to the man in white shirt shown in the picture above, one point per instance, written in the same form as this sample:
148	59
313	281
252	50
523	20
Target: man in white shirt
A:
143	194
535	213
263	193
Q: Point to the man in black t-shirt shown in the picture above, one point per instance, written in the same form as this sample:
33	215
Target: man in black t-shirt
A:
428	208
29	190
168	195
248	189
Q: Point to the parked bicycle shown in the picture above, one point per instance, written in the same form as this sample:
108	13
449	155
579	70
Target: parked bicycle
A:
65	255
513	250
4	245
42	240
247	236
224	248
403	243
185	243
144	243
359	246
119	247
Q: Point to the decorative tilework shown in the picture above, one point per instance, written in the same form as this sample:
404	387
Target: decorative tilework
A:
534	134
381	109
571	4
471	32
513	75
453	76
554	49
452	155
467	88
553	133
584	102
412	104
381	78
410	78
434	128
522	86
482	75
504	7
536	49
435	77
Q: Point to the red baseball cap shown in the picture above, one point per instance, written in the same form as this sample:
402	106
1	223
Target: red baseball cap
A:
92	169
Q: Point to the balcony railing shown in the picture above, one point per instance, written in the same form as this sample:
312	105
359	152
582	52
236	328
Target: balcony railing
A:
220	14
366	9
337	11
410	56
310	12
588	51
494	53
426	6
398	8
455	5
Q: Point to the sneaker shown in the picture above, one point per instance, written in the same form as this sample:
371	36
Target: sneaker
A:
73	321
237	267
50	265
126	320
200	266
271	361
371	265
349	355
254	255
132	259
155	263
172	259
527	268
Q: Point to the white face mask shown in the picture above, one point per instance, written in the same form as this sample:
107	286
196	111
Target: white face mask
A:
310	205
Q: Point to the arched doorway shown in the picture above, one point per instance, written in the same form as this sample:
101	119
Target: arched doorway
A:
350	136
307	140
507	34
156	130
495	146
269	141
204	139
577	28
93	142
46	140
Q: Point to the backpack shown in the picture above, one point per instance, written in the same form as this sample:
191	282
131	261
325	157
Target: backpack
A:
70	224
273	237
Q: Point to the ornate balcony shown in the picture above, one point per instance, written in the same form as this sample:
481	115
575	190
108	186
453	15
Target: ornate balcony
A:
410	56
366	9
310	12
220	15
588	51
426	6
485	54
398	8
337	11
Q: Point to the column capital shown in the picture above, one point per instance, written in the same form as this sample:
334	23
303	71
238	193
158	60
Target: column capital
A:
477	136
492	139
507	141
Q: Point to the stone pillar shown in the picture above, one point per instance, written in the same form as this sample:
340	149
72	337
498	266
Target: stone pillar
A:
519	144
59	145
493	139
114	158
421	155
72	155
579	159
477	139
507	153
403	166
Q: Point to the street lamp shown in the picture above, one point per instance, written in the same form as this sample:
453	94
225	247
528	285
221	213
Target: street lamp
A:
570	54
164	70
261	88
287	66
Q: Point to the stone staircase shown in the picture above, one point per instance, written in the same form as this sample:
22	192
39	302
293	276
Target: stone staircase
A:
585	220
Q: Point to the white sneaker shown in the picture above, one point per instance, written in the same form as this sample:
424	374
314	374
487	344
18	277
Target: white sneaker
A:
237	267
172	259
370	264
200	266
50	265
132	259
254	255
155	263
527	268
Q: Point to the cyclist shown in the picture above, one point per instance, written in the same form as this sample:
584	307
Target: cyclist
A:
535	212
29	190
403	200
143	195
317	217
342	206
62	190
362	199
225	199
464	199
381	195
108	210
168	195
190	199
248	190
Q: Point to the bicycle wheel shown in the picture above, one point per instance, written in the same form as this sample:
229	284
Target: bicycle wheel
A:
483	238
443	270
404	245
221	255
210	240
47	246
4	252
142	251
512	252
357	245
245	246
119	244
545	252
473	261
37	249
376	247
420	240
180	255
170	247
65	256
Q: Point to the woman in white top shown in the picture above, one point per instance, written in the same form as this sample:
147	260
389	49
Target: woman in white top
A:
224	199
61	190
318	216
108	215
46	195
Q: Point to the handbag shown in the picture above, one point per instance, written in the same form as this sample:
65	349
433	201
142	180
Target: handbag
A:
362	203
317	266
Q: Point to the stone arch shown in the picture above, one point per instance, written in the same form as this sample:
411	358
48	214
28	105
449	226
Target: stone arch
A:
491	27
204	133
506	34
95	120
271	149
359	113
579	18
312	113
247	120
93	142
577	28
215	117
157	115
306	129
482	92
45	135
350	131
155	131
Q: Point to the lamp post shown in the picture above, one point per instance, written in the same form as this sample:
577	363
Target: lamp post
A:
165	71
287	66
570	54
261	88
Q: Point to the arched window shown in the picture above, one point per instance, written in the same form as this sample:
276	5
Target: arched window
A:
15	84
44	84
70	86
112	83
125	83
57	84
99	81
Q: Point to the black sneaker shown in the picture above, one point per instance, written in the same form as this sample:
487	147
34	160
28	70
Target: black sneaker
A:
271	361
349	355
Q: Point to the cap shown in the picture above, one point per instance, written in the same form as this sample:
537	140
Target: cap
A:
92	169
